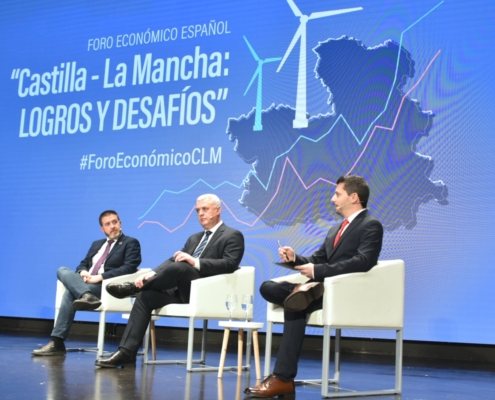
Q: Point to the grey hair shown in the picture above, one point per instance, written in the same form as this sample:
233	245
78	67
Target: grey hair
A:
212	198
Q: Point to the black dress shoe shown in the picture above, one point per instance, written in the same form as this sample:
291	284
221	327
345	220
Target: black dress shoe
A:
122	290
88	301
303	295
118	359
50	349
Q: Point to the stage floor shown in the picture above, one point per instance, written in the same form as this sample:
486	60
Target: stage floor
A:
74	376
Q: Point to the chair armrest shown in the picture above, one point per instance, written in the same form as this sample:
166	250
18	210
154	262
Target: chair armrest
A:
293	278
368	300
110	303
208	295
126	278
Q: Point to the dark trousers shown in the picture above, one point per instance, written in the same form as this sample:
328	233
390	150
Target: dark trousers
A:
171	285
294	327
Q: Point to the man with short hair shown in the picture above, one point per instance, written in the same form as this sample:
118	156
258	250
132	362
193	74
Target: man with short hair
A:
218	249
116	255
353	246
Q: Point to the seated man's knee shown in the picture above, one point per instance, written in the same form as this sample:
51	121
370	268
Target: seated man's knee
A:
268	289
173	267
63	271
276	292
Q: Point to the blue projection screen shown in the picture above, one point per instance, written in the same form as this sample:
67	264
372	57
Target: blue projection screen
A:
141	106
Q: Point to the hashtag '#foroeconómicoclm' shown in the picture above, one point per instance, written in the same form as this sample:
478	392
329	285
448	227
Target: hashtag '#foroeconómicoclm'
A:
84	161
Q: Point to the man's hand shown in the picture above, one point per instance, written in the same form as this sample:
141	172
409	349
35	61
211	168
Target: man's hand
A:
139	282
306	270
180	256
286	250
92	278
84	275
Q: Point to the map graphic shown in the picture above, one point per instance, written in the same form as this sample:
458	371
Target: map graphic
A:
369	130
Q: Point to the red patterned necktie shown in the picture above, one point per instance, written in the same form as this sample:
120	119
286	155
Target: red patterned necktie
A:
339	233
102	258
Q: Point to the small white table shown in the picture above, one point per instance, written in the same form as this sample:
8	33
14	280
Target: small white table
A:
240	325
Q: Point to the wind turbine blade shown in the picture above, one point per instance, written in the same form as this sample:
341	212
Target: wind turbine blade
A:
256	73
297	35
294	8
322	14
252	50
272	59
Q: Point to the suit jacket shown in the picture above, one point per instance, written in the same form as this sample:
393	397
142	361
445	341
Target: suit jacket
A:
222	254
124	258
357	250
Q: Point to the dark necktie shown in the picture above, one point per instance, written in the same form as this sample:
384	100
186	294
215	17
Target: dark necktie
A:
202	245
339	233
102	258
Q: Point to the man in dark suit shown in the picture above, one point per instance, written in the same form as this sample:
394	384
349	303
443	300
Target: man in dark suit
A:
116	255
353	246
216	250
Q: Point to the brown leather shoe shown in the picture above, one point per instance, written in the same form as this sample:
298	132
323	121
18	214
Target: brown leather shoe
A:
270	387
303	295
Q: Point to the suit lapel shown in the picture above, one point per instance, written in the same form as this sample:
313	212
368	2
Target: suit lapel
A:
331	239
97	246
116	246
213	239
357	221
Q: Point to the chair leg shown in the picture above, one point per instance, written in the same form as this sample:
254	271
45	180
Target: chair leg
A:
203	341
398	360
190	341
325	362
189	361
336	374
101	335
153	339
146	345
268	348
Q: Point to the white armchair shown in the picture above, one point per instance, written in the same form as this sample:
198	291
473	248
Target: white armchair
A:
207	301
371	300
108	304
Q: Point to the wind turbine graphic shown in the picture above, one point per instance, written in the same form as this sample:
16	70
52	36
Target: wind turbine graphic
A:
300	120
258	73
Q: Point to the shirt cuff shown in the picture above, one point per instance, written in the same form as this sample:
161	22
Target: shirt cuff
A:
196	264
